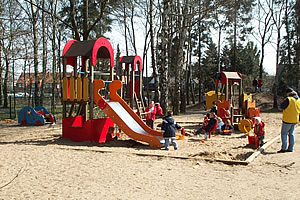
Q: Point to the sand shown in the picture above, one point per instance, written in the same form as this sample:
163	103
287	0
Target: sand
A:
36	163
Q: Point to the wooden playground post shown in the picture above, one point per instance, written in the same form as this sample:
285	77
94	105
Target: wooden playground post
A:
132	86
141	86
64	59
91	91
85	106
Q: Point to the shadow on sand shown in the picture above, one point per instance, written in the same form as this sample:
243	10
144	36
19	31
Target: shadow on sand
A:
56	139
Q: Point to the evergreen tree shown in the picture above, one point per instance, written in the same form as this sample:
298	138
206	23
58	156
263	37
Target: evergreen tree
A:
90	19
210	63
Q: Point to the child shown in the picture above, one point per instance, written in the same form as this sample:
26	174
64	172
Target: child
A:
214	108
169	127
227	128
109	135
212	124
220	124
259	130
150	112
205	122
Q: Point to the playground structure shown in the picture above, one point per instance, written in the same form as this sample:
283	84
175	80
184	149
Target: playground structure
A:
81	91
132	80
79	122
35	116
232	102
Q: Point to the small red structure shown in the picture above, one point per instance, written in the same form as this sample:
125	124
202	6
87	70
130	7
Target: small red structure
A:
75	129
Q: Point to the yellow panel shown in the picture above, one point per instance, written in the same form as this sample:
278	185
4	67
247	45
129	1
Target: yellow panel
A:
79	89
72	89
65	89
210	97
85	89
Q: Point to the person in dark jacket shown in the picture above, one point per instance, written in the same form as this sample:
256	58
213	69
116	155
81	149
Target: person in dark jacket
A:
214	108
290	118
211	125
169	127
255	84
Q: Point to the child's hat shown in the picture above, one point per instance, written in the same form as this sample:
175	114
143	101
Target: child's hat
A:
258	119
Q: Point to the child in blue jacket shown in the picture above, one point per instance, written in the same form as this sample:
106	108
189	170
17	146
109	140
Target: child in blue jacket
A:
169	127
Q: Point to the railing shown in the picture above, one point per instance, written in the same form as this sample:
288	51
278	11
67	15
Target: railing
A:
75	89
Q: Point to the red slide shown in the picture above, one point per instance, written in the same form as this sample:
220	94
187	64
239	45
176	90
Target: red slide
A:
122	115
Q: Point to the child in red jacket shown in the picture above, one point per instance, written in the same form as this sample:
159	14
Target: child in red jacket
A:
151	111
259	130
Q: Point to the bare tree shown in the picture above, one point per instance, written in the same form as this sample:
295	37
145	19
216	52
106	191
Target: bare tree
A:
265	27
53	8
44	56
277	9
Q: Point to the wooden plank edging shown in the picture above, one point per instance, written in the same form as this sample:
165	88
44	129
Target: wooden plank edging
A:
262	149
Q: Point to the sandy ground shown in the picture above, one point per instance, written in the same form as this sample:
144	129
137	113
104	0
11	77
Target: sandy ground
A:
35	163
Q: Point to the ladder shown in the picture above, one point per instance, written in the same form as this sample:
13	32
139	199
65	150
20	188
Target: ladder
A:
139	105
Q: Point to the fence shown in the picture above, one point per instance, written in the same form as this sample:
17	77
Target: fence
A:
14	106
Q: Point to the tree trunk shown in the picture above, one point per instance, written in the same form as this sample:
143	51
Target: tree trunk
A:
14	88
30	86
153	54
164	58
125	28
53	11
278	72
35	55
85	12
73	20
5	83
219	48
1	75
44	62
181	58
59	64
132	29
24	73
288	37
199	56
188	70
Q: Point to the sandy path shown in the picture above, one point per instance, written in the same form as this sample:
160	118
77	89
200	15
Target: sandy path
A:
51	168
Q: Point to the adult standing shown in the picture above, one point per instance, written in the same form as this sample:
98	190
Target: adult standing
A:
290	117
259	84
255	84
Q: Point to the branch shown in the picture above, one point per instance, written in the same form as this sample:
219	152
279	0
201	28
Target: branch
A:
102	7
12	179
46	11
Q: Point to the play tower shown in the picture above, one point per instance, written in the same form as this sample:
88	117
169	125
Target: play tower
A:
131	77
79	122
83	93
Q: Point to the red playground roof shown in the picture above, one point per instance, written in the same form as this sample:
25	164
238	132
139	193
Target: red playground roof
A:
100	48
230	76
133	60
